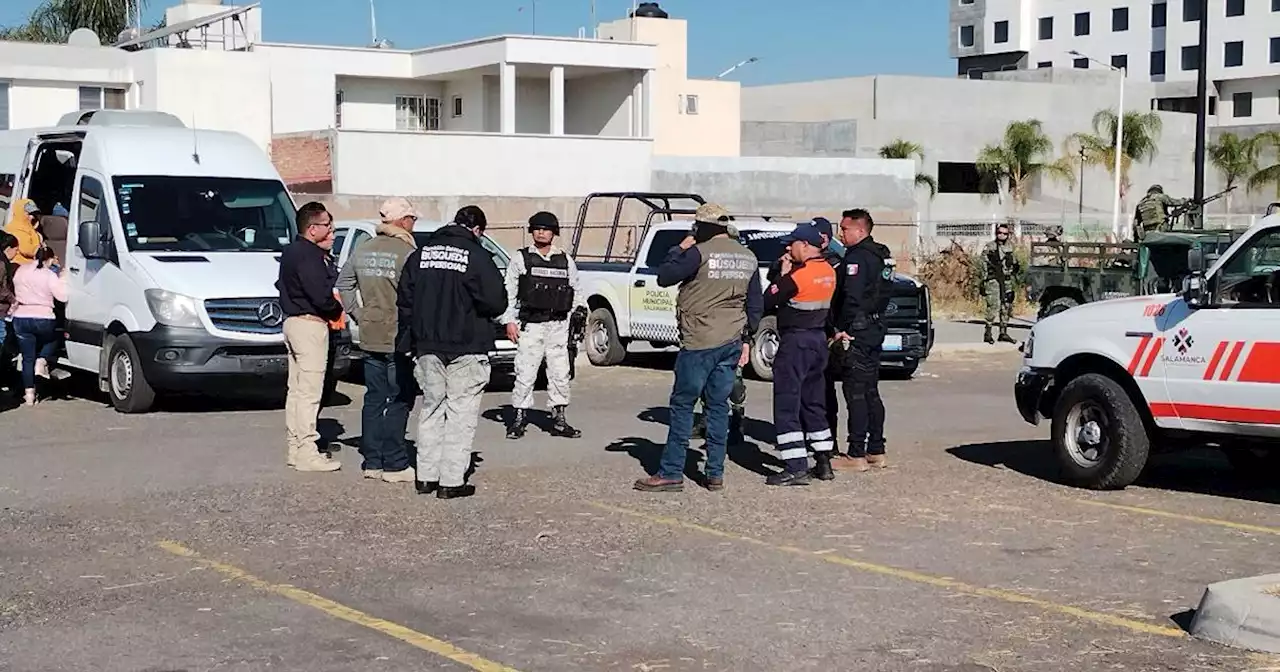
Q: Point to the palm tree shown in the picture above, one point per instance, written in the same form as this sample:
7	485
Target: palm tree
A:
54	20
905	149
1235	158
1023	154
1270	174
1141	143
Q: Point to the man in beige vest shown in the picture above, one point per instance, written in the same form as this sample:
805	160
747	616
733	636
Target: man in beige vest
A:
718	308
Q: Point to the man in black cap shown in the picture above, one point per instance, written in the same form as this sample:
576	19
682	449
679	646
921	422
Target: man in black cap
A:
542	281
833	253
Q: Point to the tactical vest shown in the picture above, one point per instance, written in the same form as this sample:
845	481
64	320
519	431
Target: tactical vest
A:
544	292
711	309
877	293
815	284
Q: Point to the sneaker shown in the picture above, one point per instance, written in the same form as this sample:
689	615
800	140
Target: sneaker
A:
405	475
42	368
317	463
372	474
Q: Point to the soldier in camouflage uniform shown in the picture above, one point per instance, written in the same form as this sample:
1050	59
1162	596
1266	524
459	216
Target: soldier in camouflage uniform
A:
999	266
1152	213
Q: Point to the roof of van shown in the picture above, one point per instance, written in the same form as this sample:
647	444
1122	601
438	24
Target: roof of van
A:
120	151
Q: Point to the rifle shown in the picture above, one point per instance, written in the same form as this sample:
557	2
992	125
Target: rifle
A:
577	330
1194	210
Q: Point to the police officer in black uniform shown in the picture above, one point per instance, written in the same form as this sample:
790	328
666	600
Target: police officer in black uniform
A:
864	285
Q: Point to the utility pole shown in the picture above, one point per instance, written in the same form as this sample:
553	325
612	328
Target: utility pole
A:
1082	186
1202	99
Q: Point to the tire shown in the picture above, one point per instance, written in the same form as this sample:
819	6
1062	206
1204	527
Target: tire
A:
1114	456
126	385
764	347
603	345
1058	305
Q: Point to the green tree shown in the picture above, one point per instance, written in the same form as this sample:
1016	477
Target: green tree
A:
54	20
1235	158
1022	155
1268	141
1141	143
905	149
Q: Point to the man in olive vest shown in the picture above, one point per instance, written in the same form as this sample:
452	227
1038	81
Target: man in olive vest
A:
1152	212
718	308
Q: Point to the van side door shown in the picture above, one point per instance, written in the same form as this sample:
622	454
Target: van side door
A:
89	281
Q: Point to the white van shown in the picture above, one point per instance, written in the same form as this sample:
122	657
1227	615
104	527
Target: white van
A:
173	250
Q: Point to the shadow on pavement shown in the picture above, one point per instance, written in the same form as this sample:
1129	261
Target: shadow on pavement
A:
655	360
1205	472
745	454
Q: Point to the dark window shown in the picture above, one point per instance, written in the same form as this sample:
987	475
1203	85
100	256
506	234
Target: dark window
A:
204	214
956	178
1082	23
1233	54
4	101
1044	64
1082	63
1191	57
1046	27
1275	50
1190	10
1242	104
1001	32
1160	14
1213	105
1235	7
1157	63
91	202
966	2
1120	19
966	36
1275	5
1120	61
662	243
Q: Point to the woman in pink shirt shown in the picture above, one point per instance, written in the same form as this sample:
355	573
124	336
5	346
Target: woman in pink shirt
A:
36	287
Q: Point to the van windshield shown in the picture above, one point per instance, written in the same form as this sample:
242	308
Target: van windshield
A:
204	214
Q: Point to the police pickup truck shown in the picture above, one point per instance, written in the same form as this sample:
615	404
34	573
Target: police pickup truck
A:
1120	379
627	304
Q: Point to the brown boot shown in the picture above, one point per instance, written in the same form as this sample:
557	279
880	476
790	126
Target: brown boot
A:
841	461
877	461
857	464
658	484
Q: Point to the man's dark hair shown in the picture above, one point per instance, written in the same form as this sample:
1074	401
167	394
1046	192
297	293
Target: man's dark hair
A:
859	215
8	241
307	215
471	217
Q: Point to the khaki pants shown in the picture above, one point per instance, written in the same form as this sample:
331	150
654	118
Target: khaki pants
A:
451	395
308	344
539	341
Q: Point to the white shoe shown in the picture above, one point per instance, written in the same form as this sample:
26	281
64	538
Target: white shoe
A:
373	474
405	475
317	463
42	368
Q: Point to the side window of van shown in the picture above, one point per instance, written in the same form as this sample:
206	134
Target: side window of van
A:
91	201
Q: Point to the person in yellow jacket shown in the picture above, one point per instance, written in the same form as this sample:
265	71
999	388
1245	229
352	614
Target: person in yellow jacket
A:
23	225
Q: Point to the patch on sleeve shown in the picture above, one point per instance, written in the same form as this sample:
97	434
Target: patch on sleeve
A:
852	270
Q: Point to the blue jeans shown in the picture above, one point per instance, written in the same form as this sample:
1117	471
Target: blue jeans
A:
708	374
388	398
37	338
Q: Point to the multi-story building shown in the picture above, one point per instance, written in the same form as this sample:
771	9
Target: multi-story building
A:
1153	40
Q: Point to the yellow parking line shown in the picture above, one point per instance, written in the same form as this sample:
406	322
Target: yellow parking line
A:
1243	527
412	637
909	575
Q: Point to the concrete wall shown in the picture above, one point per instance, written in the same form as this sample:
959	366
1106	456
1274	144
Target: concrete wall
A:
607	112
798	138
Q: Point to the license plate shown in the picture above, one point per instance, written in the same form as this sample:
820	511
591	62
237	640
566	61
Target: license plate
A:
892	342
270	365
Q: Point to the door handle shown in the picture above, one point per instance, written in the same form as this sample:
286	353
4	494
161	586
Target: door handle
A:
639	283
74	270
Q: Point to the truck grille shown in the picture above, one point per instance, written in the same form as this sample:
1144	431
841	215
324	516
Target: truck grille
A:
246	316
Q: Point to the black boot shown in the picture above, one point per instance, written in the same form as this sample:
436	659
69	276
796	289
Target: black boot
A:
986	336
560	426
455	493
735	427
518	423
1004	336
426	487
823	470
788	478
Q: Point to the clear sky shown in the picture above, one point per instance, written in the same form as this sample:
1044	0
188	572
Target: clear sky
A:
795	40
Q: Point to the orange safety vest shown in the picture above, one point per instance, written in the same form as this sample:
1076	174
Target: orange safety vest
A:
341	322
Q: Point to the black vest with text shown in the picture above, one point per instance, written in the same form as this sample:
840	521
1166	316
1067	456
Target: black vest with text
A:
545	294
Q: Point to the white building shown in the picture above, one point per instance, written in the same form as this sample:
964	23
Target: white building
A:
1155	40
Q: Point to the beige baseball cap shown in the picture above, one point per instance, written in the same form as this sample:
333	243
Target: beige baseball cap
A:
711	213
395	208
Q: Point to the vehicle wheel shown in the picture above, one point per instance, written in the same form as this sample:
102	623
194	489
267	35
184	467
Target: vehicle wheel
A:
1099	437
604	347
1058	305
764	348
126	385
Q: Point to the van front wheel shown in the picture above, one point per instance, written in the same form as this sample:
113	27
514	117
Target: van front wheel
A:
128	387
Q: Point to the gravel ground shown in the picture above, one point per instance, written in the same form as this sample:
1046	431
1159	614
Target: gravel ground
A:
178	541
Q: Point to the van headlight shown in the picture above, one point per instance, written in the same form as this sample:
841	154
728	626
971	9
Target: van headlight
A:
173	310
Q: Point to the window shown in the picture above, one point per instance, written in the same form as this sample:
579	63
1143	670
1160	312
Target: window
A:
1157	63
204	214
1235	7
4	100
1046	27
1244	277
90	200
1120	61
966	2
98	98
1001	32
690	104
1081	63
1119	19
337	110
417	113
358	236
966	36
1233	54
1275	51
457	106
661	244
960	178
1160	15
1082	23
1044	64
1242	104
1275	5
1190	11
1191	57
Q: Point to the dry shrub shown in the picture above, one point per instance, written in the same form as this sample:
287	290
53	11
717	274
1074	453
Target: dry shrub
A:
954	278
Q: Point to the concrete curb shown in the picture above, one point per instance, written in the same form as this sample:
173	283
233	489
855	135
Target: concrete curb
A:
1241	613
972	348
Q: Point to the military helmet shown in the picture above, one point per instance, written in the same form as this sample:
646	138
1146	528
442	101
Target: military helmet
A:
1155	189
546	221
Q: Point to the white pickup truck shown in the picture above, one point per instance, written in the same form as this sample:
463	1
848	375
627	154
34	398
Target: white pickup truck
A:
628	305
1122	378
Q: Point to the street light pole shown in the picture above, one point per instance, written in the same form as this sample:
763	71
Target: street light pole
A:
1202	101
1082	186
1115	215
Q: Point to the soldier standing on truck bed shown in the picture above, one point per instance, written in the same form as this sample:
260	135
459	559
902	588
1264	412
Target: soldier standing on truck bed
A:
999	267
1152	212
544	283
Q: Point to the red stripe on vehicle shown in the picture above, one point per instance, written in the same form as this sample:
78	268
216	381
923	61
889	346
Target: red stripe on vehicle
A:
1151	358
1225	374
1262	365
1137	356
1258	416
1213	363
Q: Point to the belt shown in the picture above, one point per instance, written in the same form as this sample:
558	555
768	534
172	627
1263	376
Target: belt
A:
311	318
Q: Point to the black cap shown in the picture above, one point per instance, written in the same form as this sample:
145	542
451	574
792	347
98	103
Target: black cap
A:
471	217
544	220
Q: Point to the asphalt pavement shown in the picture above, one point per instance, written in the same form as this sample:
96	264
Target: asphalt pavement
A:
179	541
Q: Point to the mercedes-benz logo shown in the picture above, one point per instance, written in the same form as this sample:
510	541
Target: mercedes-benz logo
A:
270	314
891	308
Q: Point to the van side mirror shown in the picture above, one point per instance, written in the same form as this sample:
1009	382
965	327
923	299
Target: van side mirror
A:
90	241
1195	290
